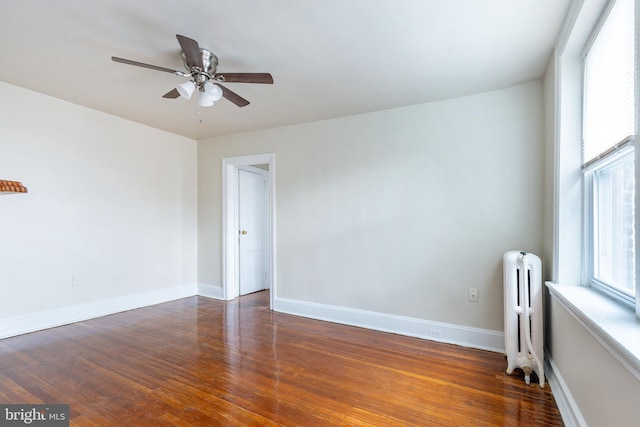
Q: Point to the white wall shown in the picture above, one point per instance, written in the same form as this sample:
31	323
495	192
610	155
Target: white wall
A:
602	391
397	211
110	202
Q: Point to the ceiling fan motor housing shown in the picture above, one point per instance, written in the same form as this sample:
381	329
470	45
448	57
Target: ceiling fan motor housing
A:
209	61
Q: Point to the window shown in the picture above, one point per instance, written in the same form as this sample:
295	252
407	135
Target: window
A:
609	128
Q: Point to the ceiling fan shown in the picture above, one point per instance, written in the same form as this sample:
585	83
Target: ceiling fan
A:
201	65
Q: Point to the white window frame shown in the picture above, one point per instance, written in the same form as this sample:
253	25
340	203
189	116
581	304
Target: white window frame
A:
607	158
589	221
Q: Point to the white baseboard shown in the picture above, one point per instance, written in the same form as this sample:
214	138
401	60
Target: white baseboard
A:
19	325
569	410
443	332
211	291
435	331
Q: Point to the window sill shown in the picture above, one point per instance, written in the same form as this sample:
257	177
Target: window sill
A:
613	324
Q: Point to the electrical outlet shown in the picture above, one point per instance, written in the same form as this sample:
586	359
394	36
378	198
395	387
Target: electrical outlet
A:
435	333
473	295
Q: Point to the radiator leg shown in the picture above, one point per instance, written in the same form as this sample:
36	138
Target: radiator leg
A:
527	374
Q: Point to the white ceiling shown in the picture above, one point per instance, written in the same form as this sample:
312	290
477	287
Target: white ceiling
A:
328	58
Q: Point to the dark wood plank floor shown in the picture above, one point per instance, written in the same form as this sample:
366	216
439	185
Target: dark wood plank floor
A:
202	362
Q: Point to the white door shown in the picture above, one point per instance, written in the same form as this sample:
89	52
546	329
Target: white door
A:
252	233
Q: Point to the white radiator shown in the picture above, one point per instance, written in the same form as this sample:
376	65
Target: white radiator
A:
523	338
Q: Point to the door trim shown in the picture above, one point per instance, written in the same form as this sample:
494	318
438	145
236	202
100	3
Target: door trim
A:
230	264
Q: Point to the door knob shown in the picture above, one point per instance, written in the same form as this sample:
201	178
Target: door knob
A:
243	232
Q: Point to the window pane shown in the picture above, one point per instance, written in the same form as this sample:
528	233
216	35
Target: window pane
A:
614	234
609	82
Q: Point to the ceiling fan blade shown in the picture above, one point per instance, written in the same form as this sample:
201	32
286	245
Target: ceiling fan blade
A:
142	64
234	97
191	51
172	94
264	78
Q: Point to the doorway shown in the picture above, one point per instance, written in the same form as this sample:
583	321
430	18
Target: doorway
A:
249	256
252	229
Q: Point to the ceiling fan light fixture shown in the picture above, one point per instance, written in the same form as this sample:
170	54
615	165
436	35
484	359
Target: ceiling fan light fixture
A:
186	89
213	90
205	100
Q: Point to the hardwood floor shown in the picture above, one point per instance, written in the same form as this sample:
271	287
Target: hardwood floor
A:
202	362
